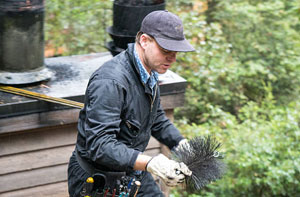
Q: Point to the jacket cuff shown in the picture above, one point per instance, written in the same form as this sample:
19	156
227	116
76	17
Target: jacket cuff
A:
133	159
178	139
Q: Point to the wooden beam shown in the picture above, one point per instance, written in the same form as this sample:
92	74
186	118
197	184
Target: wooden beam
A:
33	178
38	139
51	190
34	160
172	101
38	120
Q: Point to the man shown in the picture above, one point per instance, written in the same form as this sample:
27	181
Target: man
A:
122	110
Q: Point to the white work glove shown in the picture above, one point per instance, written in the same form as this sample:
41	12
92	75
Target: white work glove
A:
183	144
170	171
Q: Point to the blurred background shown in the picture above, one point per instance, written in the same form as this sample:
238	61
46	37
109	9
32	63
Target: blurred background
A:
243	82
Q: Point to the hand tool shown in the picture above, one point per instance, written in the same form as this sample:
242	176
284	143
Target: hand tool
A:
121	195
138	185
129	186
114	193
106	191
89	183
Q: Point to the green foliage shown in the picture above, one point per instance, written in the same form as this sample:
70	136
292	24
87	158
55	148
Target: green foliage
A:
243	87
79	26
265	42
213	75
239	51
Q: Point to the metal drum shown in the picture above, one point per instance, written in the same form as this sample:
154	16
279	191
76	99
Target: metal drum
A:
22	42
127	19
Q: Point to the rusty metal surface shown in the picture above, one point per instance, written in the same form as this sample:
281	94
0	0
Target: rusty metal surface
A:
70	78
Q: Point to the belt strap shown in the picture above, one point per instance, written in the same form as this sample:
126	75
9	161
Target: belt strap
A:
84	164
90	169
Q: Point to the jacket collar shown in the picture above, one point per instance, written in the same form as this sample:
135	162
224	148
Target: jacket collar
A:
133	62
149	79
130	54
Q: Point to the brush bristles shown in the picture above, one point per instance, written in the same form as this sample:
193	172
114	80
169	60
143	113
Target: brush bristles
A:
203	159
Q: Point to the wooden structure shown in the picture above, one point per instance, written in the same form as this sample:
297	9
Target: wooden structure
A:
37	138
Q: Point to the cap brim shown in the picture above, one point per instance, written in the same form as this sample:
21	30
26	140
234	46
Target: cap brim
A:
175	45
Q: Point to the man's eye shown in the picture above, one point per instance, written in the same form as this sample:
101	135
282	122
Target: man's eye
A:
165	51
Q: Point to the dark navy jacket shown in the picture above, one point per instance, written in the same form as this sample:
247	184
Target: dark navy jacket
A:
120	115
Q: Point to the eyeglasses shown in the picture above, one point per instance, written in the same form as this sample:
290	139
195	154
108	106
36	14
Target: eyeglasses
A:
165	51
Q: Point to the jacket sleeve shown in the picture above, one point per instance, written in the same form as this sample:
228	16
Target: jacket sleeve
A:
104	102
164	131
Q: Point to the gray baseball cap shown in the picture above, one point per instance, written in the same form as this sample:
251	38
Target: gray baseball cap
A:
167	30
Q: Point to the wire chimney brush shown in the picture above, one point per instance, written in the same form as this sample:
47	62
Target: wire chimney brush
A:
202	158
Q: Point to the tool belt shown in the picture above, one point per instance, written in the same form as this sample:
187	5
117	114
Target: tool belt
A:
106	183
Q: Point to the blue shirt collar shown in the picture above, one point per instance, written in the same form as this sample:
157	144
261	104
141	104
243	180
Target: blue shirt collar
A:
152	79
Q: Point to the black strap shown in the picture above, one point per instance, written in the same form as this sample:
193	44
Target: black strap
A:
84	164
92	170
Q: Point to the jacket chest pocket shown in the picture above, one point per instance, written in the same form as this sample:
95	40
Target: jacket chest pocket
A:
129	131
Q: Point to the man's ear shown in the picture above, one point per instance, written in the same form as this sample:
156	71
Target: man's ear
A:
144	41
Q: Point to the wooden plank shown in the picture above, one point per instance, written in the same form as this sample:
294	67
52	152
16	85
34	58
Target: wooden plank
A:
38	139
152	152
38	120
36	159
33	178
153	143
172	101
52	190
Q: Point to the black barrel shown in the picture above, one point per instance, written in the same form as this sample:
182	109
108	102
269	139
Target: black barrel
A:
127	19
22	42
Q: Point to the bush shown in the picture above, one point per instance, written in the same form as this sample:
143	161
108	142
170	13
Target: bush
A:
244	46
265	40
243	87
213	75
77	26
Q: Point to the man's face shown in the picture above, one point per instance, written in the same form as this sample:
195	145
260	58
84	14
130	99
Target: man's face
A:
154	57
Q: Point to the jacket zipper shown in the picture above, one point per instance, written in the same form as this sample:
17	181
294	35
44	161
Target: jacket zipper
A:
152	100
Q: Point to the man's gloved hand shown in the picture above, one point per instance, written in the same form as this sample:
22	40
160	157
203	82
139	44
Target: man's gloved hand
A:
183	144
171	172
